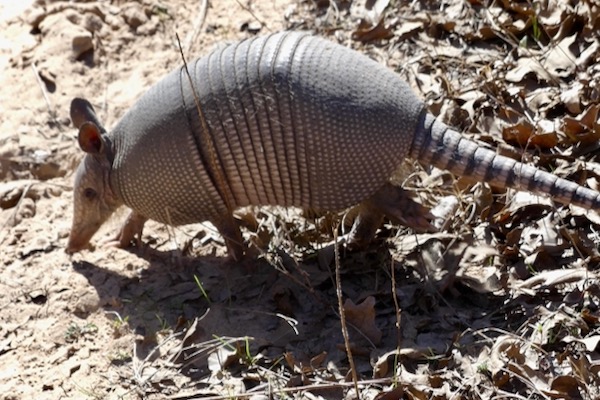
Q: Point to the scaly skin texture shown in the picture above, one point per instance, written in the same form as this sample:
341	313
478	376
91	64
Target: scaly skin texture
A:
286	119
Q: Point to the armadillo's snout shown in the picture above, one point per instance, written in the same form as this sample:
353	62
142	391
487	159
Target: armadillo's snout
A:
79	239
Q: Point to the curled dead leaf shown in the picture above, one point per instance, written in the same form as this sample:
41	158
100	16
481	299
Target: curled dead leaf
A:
566	386
371	26
553	278
365	32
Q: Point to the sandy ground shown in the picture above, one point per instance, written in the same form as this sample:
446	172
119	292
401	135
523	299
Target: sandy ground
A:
141	323
59	338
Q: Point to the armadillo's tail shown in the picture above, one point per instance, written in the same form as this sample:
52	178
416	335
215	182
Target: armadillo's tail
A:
445	148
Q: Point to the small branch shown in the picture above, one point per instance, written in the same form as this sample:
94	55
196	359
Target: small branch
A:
249	11
199	23
42	86
338	286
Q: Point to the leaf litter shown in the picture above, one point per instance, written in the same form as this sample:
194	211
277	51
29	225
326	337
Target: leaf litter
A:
501	302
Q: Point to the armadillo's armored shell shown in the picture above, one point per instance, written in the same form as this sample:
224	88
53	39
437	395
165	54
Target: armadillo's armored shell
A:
296	121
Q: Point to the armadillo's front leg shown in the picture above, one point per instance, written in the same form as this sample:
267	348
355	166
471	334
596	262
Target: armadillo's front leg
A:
130	231
230	230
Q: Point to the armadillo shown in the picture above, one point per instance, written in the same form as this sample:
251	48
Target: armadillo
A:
286	119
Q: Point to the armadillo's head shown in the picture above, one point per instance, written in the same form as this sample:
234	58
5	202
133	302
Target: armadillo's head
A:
93	198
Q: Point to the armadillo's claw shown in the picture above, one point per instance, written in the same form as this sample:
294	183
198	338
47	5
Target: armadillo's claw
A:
73	248
130	231
365	225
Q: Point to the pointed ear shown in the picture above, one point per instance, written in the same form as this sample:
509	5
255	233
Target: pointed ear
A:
90	138
82	111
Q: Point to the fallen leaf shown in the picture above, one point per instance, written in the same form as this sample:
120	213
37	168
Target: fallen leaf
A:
525	135
590	342
560	61
584	128
566	386
526	66
549	279
362	316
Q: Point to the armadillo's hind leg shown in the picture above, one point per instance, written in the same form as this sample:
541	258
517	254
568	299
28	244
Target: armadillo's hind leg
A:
392	202
230	230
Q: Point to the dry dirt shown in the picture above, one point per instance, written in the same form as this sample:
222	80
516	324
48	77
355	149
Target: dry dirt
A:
504	300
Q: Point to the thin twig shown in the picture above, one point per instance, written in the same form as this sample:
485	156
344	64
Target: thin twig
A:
214	169
338	287
297	389
398	313
198	24
249	11
42	86
12	217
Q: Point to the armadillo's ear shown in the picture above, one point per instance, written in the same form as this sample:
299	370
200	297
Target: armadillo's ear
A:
90	138
82	111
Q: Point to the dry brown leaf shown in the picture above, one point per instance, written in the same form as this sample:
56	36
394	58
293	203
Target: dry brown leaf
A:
444	211
589	316
394	394
565	386
290	359
318	360
543	235
362	316
560	62
585	128
572	96
505	348
472	98
521	200
552	13
588	55
193	336
531	375
411	243
365	32
371	26
406	28
524	134
549	279
590	342
221	359
477	272
370	11
541	100
384	364
583	368
526	66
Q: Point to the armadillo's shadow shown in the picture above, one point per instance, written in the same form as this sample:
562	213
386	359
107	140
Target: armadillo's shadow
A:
235	300
290	311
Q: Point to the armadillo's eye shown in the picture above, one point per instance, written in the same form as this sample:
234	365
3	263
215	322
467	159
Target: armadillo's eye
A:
89	193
